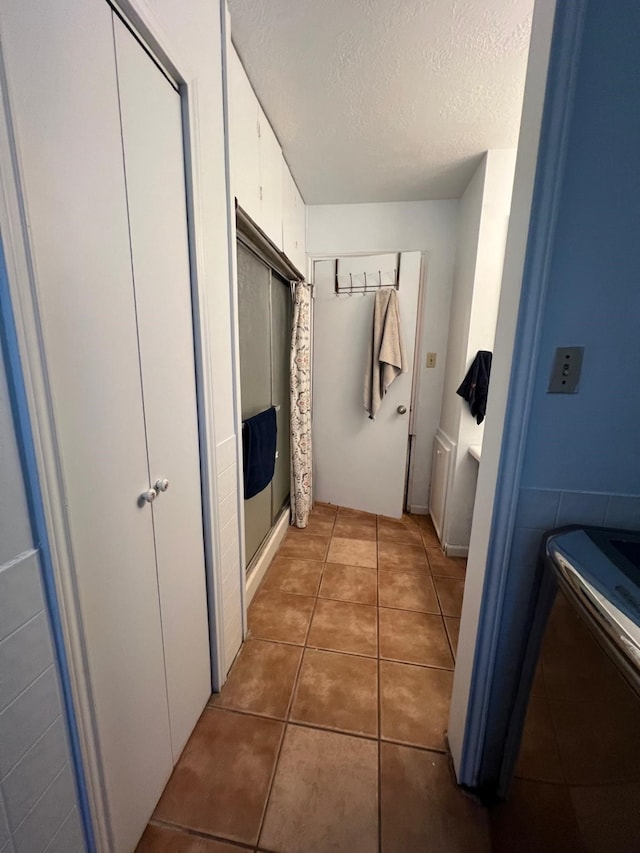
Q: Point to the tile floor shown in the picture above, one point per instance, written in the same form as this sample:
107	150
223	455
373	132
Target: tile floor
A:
330	732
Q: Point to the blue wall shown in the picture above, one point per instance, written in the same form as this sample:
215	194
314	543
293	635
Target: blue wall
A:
582	452
591	441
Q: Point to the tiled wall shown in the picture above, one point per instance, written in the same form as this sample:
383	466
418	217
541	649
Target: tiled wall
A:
38	810
38	806
229	548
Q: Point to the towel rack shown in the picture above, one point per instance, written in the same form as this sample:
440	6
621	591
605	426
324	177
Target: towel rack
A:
366	282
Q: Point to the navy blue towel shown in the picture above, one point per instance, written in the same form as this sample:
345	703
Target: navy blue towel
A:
475	386
259	436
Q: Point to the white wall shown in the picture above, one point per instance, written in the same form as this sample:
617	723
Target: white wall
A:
482	234
427	226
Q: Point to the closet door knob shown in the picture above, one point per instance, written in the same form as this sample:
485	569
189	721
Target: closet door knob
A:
401	410
149	496
162	485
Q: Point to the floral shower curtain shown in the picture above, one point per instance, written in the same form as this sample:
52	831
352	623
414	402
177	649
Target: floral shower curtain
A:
301	405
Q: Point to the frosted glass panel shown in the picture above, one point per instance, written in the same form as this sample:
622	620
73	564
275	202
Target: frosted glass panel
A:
255	376
264	319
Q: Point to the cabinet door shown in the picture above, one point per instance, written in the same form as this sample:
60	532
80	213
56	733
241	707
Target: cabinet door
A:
244	150
293	223
271	167
61	67
154	166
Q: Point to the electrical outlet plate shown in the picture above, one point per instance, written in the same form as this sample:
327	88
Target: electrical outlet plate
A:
565	373
431	359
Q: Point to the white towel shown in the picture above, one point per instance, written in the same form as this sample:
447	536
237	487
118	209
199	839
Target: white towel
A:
387	358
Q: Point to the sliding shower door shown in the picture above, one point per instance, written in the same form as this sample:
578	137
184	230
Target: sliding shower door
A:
264	319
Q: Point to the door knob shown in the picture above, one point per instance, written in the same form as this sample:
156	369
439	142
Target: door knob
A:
162	485
149	496
401	410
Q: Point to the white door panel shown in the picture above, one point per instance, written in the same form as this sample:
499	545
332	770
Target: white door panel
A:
153	155
62	77
358	462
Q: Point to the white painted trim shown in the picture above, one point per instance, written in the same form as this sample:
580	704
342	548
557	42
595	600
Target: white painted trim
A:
22	275
417	509
456	550
233	301
267	552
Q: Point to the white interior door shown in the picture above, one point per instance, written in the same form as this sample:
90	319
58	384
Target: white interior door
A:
358	462
150	109
62	76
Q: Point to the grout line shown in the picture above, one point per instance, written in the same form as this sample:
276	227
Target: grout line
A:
199	833
294	691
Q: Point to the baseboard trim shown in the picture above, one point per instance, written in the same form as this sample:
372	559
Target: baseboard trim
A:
416	509
265	555
456	550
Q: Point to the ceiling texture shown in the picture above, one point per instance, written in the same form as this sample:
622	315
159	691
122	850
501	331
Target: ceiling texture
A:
385	100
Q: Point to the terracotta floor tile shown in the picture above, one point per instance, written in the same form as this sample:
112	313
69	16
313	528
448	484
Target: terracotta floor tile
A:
452	624
450	592
428	531
167	839
353	552
345	512
414	704
290	575
347	527
280	616
338	692
447	567
304	547
407	591
393	556
422	809
536	818
261	680
349	583
317	525
324	795
392	530
407	519
539	758
329	510
344	627
221	781
414	638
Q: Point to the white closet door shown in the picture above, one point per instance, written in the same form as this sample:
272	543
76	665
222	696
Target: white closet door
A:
154	166
62	79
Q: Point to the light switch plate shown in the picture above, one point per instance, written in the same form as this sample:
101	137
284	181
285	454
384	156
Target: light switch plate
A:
431	359
565	373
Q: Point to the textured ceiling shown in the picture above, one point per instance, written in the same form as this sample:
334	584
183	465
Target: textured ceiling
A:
385	100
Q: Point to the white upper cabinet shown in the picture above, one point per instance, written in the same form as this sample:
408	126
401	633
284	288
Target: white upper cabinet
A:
271	169
244	140
293	222
260	177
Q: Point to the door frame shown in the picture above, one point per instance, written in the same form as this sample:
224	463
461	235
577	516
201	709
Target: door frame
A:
554	53
417	348
21	275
